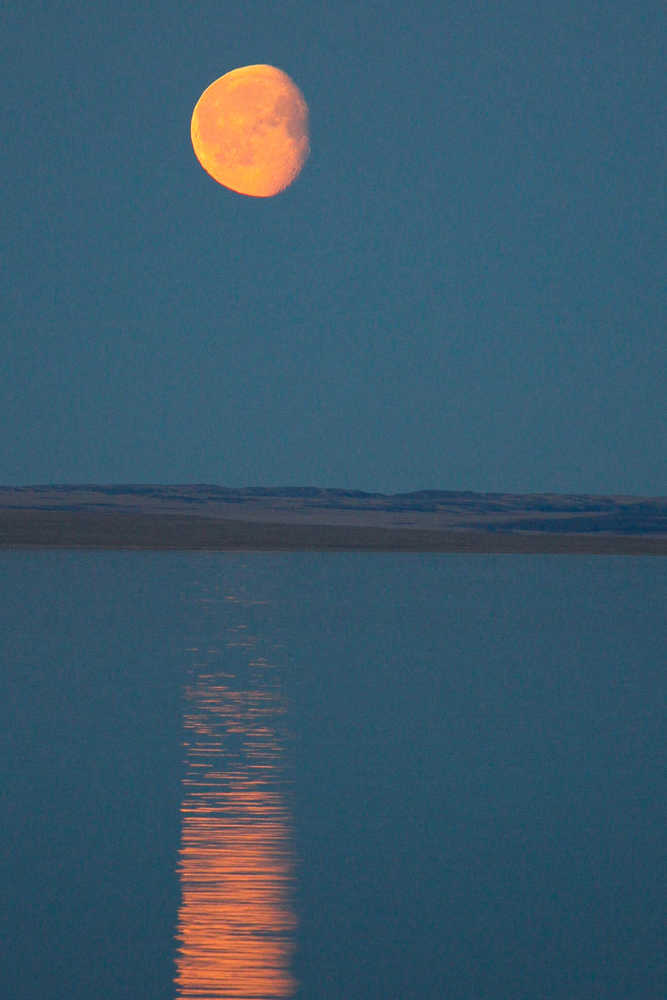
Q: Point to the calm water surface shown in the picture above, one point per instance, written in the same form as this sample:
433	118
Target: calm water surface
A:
332	776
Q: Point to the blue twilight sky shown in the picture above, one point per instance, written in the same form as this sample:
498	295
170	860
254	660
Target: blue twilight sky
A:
463	289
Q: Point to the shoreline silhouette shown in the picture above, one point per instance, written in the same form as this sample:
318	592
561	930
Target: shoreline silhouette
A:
200	517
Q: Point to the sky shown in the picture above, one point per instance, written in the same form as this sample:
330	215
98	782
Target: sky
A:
462	290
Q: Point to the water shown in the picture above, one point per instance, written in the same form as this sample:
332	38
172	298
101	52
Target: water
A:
332	776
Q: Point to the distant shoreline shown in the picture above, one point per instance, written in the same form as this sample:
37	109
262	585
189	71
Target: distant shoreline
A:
22	529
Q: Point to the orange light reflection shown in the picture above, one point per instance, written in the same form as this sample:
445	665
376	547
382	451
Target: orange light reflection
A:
236	926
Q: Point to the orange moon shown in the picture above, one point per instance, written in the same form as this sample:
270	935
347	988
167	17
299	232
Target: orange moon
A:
249	130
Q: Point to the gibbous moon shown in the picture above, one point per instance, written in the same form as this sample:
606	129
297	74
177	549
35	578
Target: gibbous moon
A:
249	130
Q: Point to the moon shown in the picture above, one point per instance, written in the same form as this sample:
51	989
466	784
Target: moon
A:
249	130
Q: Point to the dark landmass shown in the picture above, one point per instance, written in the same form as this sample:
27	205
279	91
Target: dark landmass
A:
299	518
